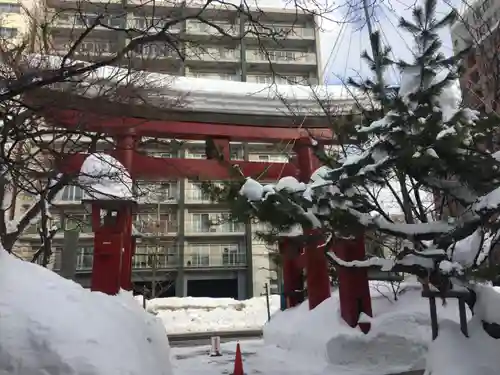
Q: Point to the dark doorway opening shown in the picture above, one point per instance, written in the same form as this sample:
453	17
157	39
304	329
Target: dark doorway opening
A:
215	288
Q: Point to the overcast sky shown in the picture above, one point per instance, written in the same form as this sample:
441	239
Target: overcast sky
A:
341	46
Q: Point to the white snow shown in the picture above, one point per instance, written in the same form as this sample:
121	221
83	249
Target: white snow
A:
465	251
51	325
454	354
290	184
398	340
489	201
105	178
252	190
206	94
258	358
11	226
189	314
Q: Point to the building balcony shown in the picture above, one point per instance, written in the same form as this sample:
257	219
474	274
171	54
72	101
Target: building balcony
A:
281	57
280	32
140	261
151	25
214	256
195	195
203	56
151	226
194	27
161	193
86	49
197	228
156	52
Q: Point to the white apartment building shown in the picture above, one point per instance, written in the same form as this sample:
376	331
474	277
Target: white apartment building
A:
251	40
184	240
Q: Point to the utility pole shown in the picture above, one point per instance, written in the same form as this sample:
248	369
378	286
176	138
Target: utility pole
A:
157	248
376	57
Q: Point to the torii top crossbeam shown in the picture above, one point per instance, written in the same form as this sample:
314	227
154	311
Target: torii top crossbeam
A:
118	102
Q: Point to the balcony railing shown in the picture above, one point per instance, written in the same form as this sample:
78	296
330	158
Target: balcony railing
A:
223	77
194	259
196	27
196	195
292	57
157	193
213	54
200	227
98	48
152	25
141	260
146	225
280	32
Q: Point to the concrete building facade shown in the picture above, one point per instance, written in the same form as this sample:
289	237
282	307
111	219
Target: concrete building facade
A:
187	247
477	27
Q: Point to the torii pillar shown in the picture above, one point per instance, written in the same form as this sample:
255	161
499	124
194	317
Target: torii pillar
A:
318	279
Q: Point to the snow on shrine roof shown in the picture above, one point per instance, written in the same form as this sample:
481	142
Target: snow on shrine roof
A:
206	95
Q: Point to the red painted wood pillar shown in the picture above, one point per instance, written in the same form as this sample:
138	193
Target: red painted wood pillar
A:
223	147
354	290
125	147
106	265
318	281
292	274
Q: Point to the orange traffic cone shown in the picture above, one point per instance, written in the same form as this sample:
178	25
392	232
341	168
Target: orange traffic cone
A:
238	362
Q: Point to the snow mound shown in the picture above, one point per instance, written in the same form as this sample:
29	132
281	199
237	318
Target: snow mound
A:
105	178
397	342
51	325
479	354
454	354
190	314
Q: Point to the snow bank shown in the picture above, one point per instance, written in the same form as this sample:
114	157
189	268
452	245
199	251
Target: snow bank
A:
397	342
190	314
454	354
51	325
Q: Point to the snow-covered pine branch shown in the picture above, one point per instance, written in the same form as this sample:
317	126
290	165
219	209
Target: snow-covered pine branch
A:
423	148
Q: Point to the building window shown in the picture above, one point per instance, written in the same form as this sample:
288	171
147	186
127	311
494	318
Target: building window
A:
79	221
157	192
84	257
195	193
202	223
8	32
155	255
72	194
10	8
214	255
154	223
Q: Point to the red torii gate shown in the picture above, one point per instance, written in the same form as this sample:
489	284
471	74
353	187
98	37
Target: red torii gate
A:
354	291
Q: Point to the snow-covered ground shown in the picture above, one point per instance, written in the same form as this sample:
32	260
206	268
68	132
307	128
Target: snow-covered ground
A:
258	358
398	340
50	325
189	314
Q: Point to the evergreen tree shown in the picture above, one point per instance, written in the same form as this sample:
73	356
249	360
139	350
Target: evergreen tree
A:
424	146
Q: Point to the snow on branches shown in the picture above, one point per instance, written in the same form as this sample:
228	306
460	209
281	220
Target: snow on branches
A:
425	150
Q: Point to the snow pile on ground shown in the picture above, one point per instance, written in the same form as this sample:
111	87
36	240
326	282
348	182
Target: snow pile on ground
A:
454	354
398	340
200	314
51	325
